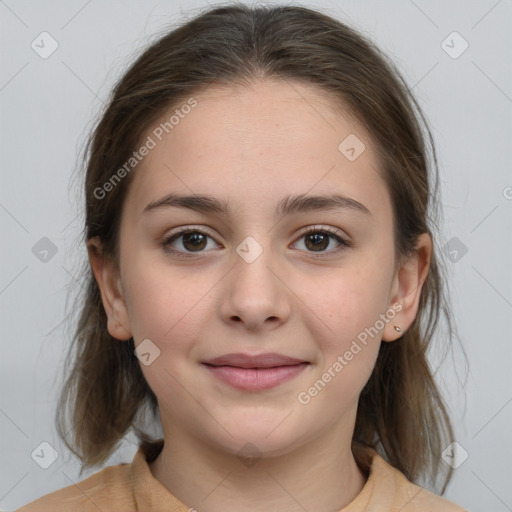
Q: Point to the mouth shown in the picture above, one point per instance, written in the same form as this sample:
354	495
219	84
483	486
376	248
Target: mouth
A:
255	373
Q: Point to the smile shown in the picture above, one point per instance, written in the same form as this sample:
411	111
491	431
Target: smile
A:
256	379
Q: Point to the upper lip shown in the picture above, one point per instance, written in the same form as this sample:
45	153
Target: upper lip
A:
240	360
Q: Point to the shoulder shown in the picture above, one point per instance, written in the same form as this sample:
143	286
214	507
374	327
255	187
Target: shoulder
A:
417	499
387	489
107	490
411	497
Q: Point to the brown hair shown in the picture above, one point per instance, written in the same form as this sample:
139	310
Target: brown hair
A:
400	412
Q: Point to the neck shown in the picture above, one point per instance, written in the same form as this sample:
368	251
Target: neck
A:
320	475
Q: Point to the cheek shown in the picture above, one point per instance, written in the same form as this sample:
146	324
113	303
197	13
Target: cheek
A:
348	325
350	301
347	329
164	303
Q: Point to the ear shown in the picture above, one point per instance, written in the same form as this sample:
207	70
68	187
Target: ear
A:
107	276
407	285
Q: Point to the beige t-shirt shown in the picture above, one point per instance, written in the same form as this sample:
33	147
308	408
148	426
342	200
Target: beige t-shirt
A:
132	487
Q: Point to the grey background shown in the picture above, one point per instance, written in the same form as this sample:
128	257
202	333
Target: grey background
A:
49	105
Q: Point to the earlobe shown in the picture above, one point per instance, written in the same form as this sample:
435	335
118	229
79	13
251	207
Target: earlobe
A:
107	276
408	283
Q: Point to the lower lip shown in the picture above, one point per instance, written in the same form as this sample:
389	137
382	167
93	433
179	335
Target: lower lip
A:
256	379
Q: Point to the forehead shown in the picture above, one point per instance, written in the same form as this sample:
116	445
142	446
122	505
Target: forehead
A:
252	144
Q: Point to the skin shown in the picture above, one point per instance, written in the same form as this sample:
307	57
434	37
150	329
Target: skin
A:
253	146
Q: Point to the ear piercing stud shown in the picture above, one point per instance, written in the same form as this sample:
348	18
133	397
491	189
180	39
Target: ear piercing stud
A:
398	329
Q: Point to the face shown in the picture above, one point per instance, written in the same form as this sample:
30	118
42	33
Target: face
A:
249	280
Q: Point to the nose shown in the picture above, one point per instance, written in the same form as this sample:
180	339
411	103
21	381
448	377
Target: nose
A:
255	294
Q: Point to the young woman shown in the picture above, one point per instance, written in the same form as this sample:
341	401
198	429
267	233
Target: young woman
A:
263	278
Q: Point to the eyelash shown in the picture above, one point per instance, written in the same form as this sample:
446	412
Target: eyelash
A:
315	229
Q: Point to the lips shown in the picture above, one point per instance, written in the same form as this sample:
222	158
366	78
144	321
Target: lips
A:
269	360
255	373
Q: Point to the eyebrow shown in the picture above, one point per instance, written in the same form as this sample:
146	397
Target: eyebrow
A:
287	206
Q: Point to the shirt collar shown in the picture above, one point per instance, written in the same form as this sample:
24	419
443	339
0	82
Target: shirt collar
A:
150	494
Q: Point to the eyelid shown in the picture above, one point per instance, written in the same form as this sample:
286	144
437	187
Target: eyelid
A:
180	230
326	229
207	231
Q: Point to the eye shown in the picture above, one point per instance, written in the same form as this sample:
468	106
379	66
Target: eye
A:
193	241
317	239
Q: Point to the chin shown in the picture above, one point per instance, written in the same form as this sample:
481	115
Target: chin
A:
260	439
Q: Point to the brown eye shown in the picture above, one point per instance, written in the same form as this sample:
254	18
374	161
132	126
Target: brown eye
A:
194	241
318	240
186	242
